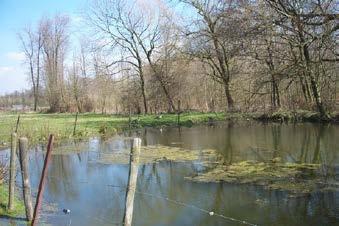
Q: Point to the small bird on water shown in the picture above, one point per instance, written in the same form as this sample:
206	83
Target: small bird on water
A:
66	211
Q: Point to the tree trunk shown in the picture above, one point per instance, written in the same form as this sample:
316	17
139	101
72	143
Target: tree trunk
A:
230	102
36	95
314	85
275	98
307	64
162	83
33	83
277	94
143	93
169	98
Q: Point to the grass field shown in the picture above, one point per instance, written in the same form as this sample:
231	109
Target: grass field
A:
19	209
37	127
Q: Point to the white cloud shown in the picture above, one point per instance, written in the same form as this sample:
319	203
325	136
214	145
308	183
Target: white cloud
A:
17	56
12	78
6	70
76	19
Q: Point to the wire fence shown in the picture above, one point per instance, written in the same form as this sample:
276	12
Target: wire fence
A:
122	190
11	124
210	213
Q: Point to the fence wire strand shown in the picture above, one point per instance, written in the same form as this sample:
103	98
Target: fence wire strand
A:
173	201
123	188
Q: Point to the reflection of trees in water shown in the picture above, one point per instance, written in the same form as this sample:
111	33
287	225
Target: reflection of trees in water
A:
162	178
229	143
319	138
309	148
317	205
173	186
278	206
312	139
218	198
304	147
276	135
61	176
150	175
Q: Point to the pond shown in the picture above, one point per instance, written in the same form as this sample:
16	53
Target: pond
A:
94	190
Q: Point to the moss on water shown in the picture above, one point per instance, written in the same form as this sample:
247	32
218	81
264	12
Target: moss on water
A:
19	208
152	154
293	177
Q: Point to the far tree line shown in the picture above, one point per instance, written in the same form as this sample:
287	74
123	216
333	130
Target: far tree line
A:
206	55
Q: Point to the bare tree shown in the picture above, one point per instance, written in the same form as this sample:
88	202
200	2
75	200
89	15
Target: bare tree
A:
135	33
308	26
31	42
113	20
239	54
217	38
55	41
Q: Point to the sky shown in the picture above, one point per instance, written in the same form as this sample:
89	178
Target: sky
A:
14	16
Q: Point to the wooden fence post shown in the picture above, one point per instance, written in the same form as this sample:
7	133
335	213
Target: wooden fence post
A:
132	181
23	154
43	179
12	171
17	124
75	124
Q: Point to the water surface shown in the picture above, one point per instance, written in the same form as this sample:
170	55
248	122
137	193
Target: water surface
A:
95	192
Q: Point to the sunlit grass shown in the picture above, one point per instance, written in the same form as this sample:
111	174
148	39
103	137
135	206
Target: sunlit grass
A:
37	127
19	208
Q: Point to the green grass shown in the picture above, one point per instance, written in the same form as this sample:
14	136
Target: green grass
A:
19	208
37	127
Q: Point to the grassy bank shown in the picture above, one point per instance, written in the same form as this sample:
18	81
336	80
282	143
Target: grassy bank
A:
19	209
297	116
37	127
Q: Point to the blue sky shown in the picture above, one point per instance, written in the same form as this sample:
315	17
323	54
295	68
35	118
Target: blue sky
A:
17	14
14	16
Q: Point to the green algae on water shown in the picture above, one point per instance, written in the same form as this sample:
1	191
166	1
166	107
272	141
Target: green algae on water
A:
293	177
156	153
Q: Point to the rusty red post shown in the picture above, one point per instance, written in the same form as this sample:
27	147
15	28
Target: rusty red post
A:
43	180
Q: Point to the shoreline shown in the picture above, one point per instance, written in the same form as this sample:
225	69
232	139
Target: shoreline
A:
36	127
